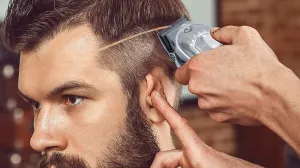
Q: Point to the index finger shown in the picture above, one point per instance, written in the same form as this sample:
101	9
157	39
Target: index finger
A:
187	136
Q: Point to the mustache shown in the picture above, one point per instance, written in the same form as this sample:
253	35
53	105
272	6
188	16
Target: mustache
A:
59	160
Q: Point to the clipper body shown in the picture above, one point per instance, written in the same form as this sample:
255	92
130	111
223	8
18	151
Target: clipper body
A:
185	39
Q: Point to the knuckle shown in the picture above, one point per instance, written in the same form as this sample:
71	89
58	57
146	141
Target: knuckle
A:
246	31
248	28
242	31
230	27
214	117
184	121
203	104
192	87
192	63
218	117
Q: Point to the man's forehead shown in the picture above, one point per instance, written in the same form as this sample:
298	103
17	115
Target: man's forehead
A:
70	56
79	39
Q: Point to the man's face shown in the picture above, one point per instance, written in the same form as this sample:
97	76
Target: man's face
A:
80	108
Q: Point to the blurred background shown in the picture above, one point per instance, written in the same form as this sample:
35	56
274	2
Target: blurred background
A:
278	23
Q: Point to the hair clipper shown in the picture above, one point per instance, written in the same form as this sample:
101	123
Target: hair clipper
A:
185	39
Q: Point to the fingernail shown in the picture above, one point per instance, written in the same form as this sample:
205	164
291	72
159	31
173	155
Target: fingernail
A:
213	30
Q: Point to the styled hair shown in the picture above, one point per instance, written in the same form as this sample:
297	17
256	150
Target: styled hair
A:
29	23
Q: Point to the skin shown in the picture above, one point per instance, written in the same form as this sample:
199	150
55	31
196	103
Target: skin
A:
65	66
86	129
241	82
194	153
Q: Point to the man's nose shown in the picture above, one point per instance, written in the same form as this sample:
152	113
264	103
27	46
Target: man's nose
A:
47	136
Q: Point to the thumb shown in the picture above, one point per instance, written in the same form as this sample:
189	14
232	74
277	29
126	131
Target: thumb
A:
225	35
182	74
168	159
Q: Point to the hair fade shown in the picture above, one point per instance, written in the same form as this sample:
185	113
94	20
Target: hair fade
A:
28	23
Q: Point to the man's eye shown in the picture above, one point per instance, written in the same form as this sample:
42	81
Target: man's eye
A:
73	100
36	106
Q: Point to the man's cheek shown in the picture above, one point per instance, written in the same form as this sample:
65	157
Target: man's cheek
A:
93	130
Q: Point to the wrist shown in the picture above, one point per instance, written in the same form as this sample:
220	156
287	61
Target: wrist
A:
282	114
280	90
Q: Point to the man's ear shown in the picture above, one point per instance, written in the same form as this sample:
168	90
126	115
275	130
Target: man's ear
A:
151	83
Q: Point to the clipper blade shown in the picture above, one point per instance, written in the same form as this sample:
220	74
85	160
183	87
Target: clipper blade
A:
162	35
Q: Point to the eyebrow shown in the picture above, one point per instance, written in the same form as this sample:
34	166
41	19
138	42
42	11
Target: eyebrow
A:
70	85
67	86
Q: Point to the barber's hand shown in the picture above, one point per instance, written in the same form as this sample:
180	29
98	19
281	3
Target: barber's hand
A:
194	153
233	81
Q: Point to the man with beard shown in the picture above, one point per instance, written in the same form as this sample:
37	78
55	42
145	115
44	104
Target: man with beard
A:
90	95
101	85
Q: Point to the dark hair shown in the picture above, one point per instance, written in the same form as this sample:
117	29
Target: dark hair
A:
30	22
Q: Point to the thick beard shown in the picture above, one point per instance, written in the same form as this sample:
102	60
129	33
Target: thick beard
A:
136	147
